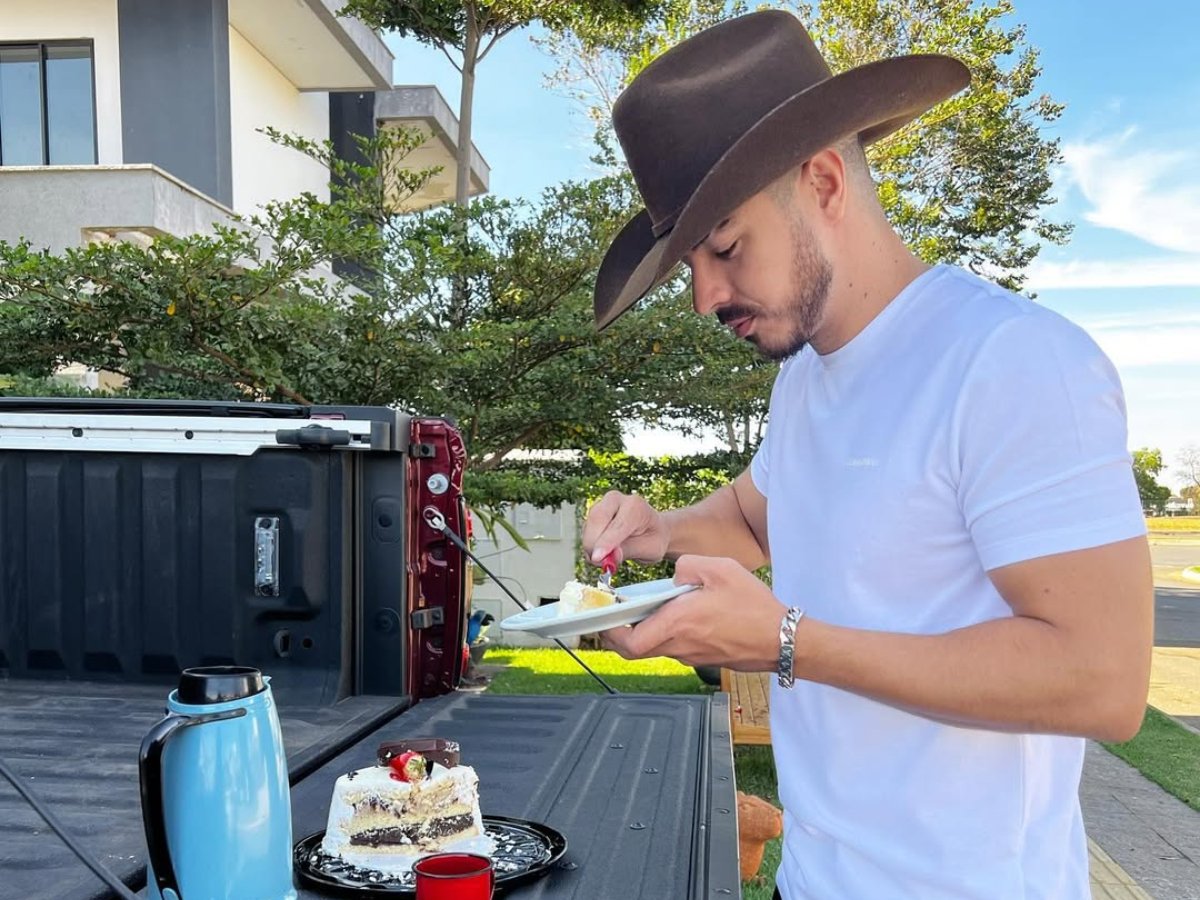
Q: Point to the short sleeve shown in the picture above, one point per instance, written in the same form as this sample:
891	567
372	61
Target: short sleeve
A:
1039	437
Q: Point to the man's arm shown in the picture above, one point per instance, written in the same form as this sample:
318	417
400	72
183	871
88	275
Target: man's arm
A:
730	522
1073	659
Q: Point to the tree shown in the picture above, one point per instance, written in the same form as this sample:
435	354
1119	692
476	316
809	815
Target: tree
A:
249	312
1189	465
1147	464
471	28
967	183
515	359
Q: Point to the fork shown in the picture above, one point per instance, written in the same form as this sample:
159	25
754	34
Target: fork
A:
608	566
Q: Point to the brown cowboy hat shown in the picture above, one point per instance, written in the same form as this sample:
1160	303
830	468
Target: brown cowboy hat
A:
720	116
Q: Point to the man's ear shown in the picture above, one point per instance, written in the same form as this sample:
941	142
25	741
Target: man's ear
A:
824	179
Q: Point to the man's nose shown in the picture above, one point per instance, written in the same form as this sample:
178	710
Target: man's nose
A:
710	288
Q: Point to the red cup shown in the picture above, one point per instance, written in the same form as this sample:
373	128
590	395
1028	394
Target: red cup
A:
454	876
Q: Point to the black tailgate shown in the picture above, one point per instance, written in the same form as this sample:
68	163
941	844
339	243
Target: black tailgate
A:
642	786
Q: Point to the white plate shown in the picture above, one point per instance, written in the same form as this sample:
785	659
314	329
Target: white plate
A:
637	601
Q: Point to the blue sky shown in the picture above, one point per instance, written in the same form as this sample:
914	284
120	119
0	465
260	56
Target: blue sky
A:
1130	182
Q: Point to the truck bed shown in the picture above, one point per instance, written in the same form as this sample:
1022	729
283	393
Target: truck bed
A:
641	786
76	744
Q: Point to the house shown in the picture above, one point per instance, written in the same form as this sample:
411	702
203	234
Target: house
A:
535	575
1178	506
134	118
128	119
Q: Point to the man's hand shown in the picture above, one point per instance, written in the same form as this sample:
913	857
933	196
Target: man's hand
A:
731	620
627	524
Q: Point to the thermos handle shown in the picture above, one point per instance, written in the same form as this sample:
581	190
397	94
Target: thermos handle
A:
154	819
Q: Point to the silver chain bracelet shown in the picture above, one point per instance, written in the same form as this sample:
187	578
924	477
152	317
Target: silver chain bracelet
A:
787	645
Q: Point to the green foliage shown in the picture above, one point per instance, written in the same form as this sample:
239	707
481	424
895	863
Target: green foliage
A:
666	483
968	182
1147	464
444	23
251	312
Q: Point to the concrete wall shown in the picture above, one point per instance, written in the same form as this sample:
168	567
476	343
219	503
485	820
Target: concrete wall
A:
262	96
536	575
94	20
52	206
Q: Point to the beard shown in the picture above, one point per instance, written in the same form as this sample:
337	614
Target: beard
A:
782	333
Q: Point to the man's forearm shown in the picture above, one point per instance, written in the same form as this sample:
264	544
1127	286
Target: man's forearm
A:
716	526
1014	674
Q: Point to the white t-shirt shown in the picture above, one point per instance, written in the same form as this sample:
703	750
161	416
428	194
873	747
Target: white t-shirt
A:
963	429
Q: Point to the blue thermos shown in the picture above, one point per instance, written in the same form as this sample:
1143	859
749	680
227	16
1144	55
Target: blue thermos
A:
215	802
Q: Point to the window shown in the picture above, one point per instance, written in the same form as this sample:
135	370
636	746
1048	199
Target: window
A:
47	113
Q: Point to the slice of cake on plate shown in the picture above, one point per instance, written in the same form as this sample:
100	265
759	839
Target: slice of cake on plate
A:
577	597
418	800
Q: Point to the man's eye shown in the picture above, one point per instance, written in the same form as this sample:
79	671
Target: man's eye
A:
728	251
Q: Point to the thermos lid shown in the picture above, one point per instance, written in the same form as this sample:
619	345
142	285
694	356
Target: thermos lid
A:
219	684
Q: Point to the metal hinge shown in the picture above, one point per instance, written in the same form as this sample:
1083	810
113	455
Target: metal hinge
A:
425	618
422	451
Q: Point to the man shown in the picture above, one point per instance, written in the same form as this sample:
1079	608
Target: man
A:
961	585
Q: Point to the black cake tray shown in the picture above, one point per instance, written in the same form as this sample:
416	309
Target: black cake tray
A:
525	851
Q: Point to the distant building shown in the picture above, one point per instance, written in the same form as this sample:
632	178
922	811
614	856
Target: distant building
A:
1177	506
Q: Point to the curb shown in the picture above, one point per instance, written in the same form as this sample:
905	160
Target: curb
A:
1191	573
1108	880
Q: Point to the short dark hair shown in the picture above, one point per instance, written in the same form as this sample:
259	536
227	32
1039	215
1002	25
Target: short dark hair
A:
850	149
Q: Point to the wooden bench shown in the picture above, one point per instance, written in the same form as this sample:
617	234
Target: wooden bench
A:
749	708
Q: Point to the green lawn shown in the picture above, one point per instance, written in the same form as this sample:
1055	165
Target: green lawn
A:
550	671
1166	753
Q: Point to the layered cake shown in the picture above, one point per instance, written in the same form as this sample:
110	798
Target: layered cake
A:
577	597
418	800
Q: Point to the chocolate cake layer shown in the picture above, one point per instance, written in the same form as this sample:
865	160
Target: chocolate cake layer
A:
412	834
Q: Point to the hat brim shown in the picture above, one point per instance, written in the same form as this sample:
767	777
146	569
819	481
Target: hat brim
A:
872	100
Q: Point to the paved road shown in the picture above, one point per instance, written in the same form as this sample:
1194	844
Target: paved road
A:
1176	617
1173	557
1176	605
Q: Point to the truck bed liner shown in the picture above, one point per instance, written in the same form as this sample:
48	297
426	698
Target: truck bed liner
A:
76	746
642	786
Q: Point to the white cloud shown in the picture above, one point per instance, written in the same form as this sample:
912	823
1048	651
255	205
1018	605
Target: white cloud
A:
1151	192
1162	271
1161	345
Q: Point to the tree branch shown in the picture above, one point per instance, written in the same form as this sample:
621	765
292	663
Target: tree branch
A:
499	33
255	380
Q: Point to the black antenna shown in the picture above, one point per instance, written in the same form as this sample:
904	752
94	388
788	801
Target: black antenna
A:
437	522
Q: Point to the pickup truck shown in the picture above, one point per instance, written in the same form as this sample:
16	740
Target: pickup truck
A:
138	538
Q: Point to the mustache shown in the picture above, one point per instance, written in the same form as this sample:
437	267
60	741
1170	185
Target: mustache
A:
732	313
